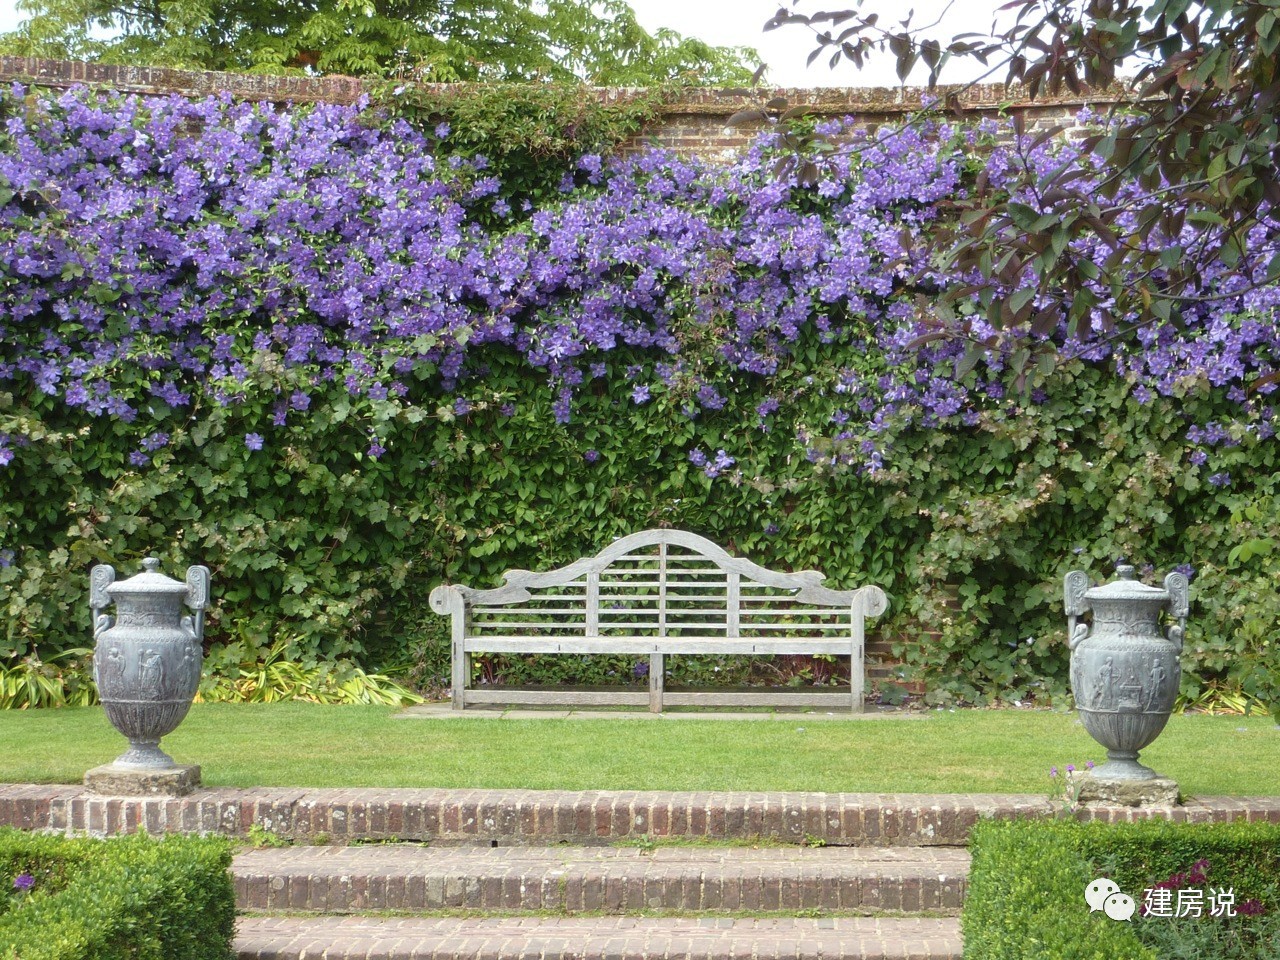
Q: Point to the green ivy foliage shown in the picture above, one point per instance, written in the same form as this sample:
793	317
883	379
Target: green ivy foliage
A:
1085	479
529	135
970	532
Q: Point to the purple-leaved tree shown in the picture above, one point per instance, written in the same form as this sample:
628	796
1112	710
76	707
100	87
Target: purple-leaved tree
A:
1166	209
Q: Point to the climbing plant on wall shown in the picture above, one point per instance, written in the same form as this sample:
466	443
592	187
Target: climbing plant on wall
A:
339	358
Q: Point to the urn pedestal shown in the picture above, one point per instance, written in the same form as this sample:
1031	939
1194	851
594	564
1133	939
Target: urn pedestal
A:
146	662
1125	674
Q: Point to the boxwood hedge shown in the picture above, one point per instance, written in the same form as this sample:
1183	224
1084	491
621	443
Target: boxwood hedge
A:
136	897
1025	899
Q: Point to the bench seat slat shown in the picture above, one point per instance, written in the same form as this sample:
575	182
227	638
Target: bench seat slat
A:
674	623
482	695
649	645
712	629
579	611
834	699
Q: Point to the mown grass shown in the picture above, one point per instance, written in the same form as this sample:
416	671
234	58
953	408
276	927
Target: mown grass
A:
304	745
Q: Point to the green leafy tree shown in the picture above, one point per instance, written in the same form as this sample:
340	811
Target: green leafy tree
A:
1195	130
599	41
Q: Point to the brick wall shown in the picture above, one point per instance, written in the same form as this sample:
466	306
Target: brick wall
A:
695	123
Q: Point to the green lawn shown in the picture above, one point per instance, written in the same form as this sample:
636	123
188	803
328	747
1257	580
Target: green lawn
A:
303	745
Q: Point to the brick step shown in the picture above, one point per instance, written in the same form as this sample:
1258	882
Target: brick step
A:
601	879
597	938
543	817
529	817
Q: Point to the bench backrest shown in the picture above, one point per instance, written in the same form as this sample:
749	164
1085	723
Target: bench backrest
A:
662	584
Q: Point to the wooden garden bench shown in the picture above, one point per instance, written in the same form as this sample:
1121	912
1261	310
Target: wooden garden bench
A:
654	594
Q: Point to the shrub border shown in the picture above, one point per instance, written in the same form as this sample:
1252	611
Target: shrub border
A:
1025	897
126	897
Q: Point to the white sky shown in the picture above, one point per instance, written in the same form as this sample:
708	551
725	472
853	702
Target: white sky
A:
740	23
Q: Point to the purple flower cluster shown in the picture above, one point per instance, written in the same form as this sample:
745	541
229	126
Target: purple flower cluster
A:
711	466
159	251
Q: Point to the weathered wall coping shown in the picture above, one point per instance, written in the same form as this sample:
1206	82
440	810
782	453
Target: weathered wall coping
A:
703	101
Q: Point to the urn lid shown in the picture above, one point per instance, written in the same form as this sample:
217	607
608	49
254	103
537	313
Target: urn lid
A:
150	581
1126	588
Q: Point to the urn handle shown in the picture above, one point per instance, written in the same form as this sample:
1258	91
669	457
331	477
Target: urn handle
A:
1074	585
100	577
1178	586
197	599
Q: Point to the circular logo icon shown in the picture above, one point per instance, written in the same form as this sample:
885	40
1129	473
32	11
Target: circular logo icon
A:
1119	906
1096	893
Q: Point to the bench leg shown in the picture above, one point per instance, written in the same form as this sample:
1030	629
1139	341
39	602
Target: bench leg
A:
655	682
857	679
461	677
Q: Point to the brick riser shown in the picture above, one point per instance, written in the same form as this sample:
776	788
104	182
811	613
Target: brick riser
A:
536	818
591	880
609	938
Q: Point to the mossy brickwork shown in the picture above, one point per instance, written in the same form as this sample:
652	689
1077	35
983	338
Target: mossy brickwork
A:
694	121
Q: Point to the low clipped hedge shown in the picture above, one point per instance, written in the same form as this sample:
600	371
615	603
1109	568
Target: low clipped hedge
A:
1025	898
128	897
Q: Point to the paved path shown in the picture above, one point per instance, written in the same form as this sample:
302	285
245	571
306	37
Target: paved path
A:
607	938
444	711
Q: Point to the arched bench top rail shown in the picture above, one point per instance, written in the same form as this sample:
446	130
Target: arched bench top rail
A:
807	584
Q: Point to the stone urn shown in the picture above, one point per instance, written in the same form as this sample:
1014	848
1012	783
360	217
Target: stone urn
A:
147	657
1125	668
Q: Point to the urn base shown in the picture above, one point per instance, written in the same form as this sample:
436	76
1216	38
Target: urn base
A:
1090	787
115	781
1123	765
144	755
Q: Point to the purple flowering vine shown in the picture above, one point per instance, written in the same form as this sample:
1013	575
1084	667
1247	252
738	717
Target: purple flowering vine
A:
159	252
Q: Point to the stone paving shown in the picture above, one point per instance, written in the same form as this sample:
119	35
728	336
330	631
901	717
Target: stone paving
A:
445	711
595	879
598	938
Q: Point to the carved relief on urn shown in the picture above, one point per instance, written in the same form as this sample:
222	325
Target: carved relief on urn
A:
147	657
1125	667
